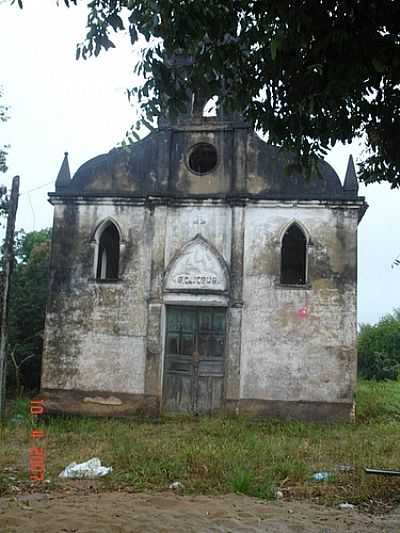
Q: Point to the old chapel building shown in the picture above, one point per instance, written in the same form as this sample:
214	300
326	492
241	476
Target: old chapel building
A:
193	273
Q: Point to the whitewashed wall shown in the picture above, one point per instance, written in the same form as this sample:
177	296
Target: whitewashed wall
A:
286	356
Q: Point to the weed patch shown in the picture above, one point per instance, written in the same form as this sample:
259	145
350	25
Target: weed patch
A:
222	454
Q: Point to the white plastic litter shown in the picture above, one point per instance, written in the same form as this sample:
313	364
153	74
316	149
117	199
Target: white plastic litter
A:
344	468
89	469
321	476
177	486
346	506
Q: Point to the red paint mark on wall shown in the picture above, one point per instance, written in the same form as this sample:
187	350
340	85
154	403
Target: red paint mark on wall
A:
303	312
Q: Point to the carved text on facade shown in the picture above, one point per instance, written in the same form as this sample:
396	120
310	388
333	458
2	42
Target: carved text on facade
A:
196	279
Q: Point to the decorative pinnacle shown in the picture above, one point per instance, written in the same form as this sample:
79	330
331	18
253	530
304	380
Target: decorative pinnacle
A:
350	181
64	175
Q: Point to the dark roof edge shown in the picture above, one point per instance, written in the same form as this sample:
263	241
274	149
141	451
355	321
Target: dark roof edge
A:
341	198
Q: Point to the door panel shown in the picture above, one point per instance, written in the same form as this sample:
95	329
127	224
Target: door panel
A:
179	400
188	344
209	394
194	360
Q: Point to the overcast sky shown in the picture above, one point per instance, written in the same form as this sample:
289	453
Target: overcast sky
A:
58	104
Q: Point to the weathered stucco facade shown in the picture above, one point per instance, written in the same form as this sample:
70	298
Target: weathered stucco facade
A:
197	315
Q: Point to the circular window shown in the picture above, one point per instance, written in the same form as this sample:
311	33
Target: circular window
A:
203	158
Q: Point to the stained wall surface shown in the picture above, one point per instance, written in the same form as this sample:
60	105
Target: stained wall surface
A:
95	332
284	343
298	344
209	238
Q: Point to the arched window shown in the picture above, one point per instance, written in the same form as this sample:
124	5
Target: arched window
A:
108	253
294	256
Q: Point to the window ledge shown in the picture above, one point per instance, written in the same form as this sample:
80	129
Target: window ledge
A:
306	286
106	281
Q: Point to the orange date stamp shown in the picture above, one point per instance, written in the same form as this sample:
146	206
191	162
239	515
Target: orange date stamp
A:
37	467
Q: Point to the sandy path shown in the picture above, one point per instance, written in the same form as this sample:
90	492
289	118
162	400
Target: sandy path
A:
167	512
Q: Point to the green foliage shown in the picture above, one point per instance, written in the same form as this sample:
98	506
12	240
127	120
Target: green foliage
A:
378	401
3	149
244	481
3	160
379	348
241	480
30	246
28	300
308	73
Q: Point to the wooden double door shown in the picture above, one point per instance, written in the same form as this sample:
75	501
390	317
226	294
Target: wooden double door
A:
194	360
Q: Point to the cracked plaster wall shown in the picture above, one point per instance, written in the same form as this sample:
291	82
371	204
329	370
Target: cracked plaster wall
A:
98	335
285	355
95	332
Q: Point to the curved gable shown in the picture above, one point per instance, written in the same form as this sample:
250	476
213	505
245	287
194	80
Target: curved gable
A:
243	164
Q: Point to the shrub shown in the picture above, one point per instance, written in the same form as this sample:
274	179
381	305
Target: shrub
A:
27	310
379	348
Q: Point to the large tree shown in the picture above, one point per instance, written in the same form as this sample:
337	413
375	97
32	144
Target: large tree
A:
28	300
309	73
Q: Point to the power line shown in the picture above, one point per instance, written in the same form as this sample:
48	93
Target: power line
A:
36	188
33	211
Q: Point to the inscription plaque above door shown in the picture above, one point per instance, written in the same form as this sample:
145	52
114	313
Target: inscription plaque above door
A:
197	267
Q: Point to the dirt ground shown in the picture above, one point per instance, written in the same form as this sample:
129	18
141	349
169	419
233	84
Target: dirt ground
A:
167	512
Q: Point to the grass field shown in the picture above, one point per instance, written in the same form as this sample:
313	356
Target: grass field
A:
221	455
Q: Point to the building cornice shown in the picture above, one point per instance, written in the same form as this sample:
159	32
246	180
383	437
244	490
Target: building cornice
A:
358	202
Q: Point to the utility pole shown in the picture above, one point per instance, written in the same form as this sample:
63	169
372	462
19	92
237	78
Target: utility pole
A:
8	264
